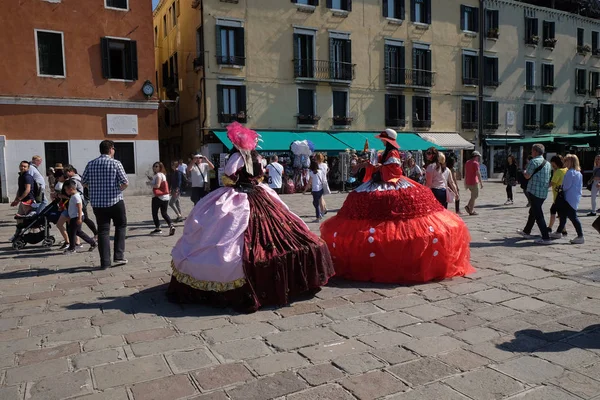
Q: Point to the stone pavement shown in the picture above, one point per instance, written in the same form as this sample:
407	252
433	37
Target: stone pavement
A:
525	326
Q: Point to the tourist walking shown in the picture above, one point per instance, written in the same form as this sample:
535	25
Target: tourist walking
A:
569	199
199	169
76	218
106	180
160	199
40	182
320	159
71	173
538	175
316	181
473	181
510	178
594	185
275	174
450	164
556	183
176	181
438	177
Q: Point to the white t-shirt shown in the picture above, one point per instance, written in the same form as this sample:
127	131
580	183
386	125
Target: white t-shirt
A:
317	180
439	179
155	181
73	201
58	186
199	174
325	168
275	175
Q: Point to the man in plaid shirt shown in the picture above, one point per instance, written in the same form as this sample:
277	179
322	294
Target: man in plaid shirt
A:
538	174
106	180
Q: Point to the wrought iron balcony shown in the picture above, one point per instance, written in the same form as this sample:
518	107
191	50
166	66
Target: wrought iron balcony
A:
548	88
409	77
469	124
531	127
231	60
321	70
229	118
422	124
550	43
395	122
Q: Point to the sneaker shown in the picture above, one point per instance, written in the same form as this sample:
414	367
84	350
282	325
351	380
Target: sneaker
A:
179	219
171	230
578	240
122	261
564	233
543	241
524	234
63	246
592	214
508	202
69	252
556	235
93	246
157	231
79	246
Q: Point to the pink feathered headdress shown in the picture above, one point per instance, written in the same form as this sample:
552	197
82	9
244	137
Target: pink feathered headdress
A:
242	137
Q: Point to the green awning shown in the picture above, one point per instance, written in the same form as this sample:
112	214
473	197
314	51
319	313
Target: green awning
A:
532	140
407	141
323	141
281	140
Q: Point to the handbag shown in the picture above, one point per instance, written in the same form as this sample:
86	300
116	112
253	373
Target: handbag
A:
590	183
162	190
450	196
326	189
560	198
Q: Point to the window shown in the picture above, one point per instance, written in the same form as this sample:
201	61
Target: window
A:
529	75
531	31
165	74
595	44
307	2
579	118
164	26
198	61
490	111
173	72
394	110
580	81
231	103
594	82
421	112
124	152
549	34
548	77
469	114
340	57
393	9
395	72
547	116
230	45
491	20
469	18
155	35
56	152
119	59
491	71
304	62
421	73
420	11
340	108
50	53
529	117
340	4
118	4
580	35
174	15
470	68
306	107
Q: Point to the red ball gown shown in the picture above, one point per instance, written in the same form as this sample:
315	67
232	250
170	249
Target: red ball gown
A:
391	229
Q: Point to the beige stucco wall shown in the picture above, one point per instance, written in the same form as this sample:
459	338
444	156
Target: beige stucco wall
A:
272	90
513	53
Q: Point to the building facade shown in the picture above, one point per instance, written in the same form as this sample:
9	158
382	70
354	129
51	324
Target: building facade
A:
307	66
74	74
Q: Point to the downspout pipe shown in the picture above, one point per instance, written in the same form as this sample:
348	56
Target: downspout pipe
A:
480	121
203	79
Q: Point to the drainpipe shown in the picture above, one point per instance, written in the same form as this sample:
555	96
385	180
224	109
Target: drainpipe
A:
203	79
481	76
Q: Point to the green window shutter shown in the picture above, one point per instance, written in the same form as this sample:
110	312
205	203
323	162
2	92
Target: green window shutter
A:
219	50
240	49
220	106
134	60
105	58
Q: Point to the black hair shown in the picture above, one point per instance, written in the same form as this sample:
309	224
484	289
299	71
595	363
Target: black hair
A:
58	173
69	184
25	162
105	146
70	168
314	167
450	161
388	147
558	160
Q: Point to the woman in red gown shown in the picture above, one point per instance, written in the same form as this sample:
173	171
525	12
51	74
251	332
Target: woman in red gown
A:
392	229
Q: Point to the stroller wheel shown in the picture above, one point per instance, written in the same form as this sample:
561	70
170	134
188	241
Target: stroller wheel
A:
48	242
18	244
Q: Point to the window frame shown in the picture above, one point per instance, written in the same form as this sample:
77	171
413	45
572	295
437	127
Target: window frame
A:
242	101
401	111
425	123
347	109
581	89
494	82
596	39
492	17
473	117
116	8
173	15
495	107
399	9
473	55
532	28
401	55
134	63
37	54
50	160
531	107
314	101
239	43
426	12
472	20
582	37
309	63
348	4
543	107
579	113
544	83
118	144
532	88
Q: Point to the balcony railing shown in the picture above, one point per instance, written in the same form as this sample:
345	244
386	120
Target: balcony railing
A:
596	52
548	88
470	81
307	119
323	70
229	118
530	127
422	124
550	43
469	124
231	60
342	121
395	122
409	77
583	50
532	40
491	83
493	33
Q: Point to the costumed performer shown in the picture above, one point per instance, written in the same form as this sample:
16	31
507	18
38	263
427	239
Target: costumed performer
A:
392	229
242	246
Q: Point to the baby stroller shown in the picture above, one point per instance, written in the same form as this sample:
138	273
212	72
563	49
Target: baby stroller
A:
41	221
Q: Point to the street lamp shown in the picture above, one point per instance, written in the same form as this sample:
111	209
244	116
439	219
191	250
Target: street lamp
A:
597	144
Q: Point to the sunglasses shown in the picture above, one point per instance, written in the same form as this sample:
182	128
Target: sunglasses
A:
429	153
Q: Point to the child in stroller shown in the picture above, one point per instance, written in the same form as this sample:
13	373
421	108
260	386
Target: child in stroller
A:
36	228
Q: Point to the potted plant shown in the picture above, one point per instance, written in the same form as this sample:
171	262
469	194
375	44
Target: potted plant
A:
585	49
550	42
307	119
493	33
531	127
341	120
548	125
548	88
534	40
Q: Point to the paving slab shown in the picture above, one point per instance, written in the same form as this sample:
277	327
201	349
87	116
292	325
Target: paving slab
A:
373	385
423	371
485	384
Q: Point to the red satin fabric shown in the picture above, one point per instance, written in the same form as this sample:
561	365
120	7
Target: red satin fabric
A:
389	173
397	236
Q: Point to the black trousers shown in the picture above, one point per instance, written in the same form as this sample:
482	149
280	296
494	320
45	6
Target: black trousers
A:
162	205
104	215
536	215
74	230
90	224
197	194
509	192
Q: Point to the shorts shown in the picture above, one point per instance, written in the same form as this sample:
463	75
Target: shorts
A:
553	209
64	213
474	191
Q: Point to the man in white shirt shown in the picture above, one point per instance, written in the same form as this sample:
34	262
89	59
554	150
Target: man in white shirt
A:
34	166
199	169
182	167
275	173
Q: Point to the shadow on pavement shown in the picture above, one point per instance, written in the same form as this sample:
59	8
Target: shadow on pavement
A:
529	340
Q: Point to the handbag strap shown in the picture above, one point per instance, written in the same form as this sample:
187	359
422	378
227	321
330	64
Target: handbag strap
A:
539	168
200	170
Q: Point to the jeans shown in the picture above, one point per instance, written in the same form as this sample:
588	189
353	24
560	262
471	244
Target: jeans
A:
440	195
509	193
90	224
536	215
316	201
566	211
75	230
595	191
162	205
197	194
104	215
43	203
174	202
